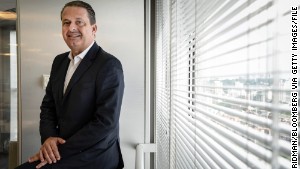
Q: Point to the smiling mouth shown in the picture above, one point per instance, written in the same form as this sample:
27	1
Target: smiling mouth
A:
73	36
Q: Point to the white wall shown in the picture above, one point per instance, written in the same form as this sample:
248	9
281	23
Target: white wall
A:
120	32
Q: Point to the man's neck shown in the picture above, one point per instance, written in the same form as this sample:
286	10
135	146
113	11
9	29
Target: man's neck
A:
76	52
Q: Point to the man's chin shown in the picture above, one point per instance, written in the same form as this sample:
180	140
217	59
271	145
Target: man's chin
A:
73	45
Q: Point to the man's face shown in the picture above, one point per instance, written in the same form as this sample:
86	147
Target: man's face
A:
77	30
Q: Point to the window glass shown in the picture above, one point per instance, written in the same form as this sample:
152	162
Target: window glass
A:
8	80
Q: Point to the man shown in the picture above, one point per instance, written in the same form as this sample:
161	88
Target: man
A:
79	120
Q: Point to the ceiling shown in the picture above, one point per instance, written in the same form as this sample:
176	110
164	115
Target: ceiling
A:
5	18
7	4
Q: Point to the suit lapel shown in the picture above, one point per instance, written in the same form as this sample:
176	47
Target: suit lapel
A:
61	76
82	68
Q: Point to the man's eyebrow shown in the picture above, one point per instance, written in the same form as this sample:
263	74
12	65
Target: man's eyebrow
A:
79	19
65	20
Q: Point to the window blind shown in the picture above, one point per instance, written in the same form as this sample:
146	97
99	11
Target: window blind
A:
162	105
222	84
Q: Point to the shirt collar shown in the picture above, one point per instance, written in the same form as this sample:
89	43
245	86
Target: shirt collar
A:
81	55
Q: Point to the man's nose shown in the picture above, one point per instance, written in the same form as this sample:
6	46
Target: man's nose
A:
72	27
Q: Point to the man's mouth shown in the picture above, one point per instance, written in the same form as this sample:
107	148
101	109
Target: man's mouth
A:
73	35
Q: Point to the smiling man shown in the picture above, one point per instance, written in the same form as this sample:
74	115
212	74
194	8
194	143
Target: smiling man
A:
79	119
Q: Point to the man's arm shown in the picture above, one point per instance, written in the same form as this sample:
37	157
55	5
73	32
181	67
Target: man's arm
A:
48	124
109	91
48	118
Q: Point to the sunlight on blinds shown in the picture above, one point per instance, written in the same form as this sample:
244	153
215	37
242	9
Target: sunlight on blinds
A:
223	84
163	84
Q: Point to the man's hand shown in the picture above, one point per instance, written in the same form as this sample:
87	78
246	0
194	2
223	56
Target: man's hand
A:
49	151
36	157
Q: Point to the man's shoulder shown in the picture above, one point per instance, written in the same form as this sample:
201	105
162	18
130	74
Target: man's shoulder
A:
62	55
59	59
107	56
107	61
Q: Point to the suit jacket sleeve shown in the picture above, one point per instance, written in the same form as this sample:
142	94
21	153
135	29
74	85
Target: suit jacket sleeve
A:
109	94
48	118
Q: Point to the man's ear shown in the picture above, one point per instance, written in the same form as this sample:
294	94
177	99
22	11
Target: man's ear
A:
94	28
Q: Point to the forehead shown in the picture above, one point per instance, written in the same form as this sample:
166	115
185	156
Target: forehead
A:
72	12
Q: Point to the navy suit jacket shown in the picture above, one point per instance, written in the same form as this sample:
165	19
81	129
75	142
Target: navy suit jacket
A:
87	115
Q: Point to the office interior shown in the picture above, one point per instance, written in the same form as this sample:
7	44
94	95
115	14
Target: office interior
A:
207	82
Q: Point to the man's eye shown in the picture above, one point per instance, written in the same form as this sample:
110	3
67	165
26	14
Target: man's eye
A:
66	23
80	23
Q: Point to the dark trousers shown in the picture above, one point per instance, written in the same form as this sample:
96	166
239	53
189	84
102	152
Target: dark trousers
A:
47	166
32	166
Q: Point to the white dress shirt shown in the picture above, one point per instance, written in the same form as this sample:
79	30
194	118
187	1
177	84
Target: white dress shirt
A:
74	64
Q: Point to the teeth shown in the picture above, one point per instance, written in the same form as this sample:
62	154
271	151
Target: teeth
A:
73	36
